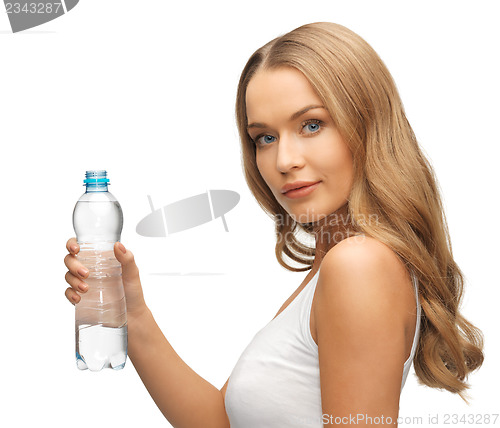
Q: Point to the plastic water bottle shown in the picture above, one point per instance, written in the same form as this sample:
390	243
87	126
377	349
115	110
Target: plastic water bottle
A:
101	314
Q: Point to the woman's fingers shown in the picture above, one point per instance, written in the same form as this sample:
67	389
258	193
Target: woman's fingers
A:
130	271
76	273
76	283
75	267
72	295
131	281
72	246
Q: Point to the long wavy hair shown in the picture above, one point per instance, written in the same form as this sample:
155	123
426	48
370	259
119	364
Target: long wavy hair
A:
392	180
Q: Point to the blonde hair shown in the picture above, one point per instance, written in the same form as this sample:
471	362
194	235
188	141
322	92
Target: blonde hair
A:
392	179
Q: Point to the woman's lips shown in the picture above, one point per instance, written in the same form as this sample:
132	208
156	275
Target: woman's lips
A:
302	192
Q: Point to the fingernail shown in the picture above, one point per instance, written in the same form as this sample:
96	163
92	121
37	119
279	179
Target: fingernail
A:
83	287
122	248
74	248
83	272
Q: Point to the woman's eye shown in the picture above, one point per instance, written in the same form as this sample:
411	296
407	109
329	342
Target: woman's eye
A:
265	139
311	126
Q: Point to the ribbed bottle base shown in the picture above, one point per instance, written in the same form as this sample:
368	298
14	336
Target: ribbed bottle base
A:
99	347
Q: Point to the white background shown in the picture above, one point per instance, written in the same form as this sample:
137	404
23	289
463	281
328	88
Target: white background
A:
146	90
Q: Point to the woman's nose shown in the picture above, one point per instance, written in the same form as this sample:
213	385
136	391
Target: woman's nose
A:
289	154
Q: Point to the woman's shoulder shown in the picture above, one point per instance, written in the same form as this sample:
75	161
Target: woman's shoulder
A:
361	269
365	255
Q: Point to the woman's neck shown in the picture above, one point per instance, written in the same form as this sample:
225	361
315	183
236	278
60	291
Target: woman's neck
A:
331	230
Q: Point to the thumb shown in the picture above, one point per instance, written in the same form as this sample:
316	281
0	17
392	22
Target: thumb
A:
130	271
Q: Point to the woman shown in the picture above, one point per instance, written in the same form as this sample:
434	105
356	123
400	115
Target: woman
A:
327	151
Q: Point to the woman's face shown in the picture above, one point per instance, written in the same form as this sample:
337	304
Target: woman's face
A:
296	140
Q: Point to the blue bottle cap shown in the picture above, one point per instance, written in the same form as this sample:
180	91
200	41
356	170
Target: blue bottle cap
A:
95	177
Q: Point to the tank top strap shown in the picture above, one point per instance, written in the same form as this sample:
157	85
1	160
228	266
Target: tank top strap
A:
305	313
417	323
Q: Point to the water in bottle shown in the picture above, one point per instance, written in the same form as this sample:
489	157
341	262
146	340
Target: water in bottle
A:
100	316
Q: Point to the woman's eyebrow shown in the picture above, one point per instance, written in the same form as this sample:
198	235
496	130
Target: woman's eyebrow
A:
292	117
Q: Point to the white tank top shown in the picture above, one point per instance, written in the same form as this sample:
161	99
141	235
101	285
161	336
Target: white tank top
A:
276	382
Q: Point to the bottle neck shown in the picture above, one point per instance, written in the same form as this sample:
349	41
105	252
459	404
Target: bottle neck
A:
101	187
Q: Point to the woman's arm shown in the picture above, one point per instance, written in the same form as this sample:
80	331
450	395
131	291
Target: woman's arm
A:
184	397
360	317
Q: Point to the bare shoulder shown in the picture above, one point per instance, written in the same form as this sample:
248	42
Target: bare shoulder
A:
357	249
363	257
363	274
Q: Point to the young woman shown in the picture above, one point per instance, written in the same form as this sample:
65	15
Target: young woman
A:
327	151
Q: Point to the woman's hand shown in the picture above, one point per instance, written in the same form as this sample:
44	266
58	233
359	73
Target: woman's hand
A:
77	273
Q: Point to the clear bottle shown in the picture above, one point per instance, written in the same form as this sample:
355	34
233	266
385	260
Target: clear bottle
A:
101	314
